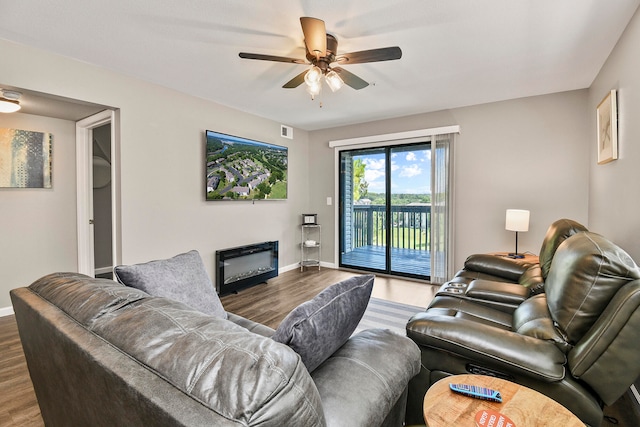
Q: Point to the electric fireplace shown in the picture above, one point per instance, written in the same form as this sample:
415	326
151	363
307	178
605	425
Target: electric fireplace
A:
245	266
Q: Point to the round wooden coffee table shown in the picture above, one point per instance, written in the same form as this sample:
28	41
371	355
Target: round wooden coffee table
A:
525	407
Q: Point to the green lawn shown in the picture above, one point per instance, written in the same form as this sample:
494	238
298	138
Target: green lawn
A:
278	190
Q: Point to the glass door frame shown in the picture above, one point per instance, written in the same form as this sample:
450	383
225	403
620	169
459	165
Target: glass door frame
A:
388	210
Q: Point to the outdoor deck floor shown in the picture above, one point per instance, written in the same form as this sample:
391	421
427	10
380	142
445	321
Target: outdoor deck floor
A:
410	261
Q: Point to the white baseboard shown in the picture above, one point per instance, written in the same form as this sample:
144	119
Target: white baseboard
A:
288	268
297	265
6	311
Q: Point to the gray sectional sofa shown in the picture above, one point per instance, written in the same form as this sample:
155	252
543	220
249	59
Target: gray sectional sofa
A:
101	353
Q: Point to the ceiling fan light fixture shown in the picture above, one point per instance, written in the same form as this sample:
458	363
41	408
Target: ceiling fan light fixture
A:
334	81
313	76
314	89
9	102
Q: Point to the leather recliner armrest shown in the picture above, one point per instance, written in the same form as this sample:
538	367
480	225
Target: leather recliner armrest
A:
502	292
496	266
532	279
493	347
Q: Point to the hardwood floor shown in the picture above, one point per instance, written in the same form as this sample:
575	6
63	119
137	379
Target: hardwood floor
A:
267	304
18	405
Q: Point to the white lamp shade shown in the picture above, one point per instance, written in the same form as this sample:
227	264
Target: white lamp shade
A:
517	220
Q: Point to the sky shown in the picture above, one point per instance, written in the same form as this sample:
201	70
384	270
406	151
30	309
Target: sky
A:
410	171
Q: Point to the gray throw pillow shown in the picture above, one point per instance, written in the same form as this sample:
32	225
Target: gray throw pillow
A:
181	278
317	328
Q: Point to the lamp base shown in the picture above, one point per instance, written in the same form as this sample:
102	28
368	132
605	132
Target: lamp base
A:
515	256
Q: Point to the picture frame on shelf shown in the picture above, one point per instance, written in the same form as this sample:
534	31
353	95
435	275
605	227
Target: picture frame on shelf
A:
607	125
309	219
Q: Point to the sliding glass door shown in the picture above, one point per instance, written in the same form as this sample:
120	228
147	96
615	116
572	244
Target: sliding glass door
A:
385	209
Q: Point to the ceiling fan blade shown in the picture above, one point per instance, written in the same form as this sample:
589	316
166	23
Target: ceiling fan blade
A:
373	55
271	58
350	79
296	81
315	36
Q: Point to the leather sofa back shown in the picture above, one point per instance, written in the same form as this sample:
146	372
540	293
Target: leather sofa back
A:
177	353
586	272
557	233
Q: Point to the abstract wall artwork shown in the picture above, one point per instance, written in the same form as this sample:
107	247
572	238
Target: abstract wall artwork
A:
25	159
607	122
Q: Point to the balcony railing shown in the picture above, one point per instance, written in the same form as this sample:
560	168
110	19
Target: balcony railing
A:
410	226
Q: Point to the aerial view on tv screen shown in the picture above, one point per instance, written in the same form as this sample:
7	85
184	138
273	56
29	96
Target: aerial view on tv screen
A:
243	169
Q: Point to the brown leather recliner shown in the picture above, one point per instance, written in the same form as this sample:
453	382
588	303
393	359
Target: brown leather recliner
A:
577	343
503	283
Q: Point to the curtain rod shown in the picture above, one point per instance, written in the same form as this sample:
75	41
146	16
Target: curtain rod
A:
395	136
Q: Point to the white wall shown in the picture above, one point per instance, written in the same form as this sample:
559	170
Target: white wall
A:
528	153
38	225
614	194
162	173
535	153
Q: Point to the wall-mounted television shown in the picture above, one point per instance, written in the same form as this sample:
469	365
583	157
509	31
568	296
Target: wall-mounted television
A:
243	169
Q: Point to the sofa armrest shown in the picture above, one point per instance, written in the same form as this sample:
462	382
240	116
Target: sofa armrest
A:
365	378
255	327
532	279
503	267
502	292
493	347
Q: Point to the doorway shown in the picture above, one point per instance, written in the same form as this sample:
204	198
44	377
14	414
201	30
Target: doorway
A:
385	209
102	212
97	194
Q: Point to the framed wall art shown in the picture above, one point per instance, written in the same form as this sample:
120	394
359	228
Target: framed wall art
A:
25	159
607	122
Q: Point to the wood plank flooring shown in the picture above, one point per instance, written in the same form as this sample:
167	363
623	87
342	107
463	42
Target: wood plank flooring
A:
18	405
267	304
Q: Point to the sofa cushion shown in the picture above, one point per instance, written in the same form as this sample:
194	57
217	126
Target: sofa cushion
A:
532	318
317	328
182	278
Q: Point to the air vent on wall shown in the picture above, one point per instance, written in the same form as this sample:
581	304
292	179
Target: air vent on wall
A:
286	132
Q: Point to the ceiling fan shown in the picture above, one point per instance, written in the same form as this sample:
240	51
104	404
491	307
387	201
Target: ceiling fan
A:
322	55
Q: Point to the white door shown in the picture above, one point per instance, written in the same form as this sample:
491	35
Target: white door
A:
85	178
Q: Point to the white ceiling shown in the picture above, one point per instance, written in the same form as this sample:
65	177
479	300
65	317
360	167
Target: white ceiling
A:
455	52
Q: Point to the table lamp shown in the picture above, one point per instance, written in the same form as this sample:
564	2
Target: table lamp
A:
517	220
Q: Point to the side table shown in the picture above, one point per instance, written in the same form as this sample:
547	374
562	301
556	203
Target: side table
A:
527	258
525	407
